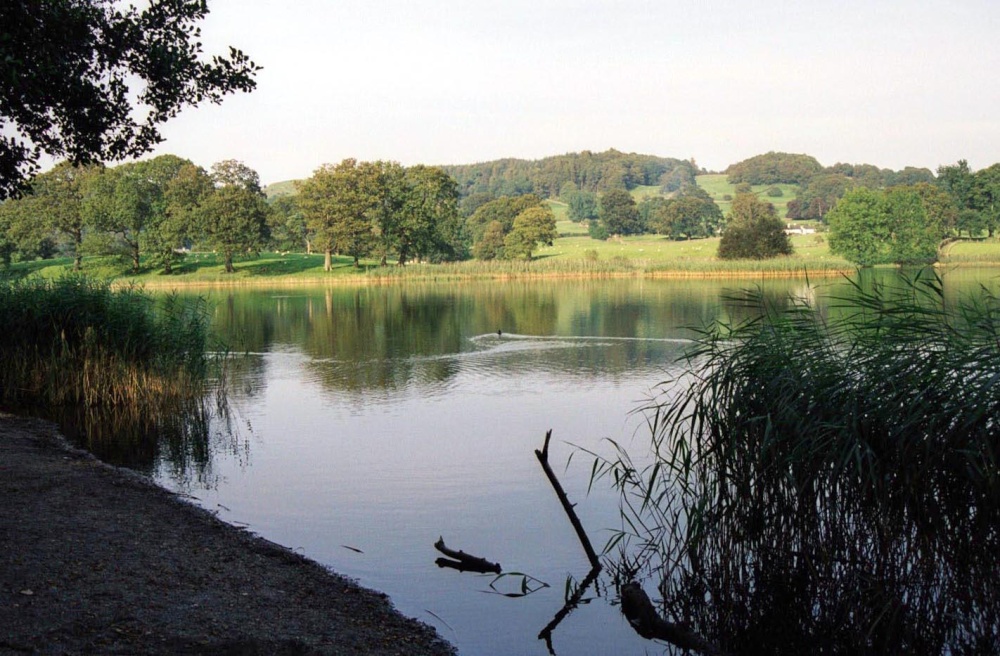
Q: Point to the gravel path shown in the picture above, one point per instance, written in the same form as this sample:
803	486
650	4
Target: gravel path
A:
99	560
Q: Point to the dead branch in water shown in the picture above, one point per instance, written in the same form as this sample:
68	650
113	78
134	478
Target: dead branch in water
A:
464	562
543	458
640	613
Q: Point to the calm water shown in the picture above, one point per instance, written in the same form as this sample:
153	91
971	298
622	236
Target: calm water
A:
365	423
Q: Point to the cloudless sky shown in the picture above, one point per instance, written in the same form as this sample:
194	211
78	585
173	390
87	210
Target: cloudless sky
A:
885	82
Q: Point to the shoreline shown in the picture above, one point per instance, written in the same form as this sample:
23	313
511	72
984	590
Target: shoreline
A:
97	559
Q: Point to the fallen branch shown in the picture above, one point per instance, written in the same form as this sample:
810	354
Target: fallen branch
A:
463	562
640	613
543	458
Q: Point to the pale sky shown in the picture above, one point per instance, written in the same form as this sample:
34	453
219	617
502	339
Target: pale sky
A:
885	82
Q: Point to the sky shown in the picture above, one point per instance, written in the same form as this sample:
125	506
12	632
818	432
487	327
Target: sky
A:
888	82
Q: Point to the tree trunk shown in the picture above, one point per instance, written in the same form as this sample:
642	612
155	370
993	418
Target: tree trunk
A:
229	262
135	259
328	260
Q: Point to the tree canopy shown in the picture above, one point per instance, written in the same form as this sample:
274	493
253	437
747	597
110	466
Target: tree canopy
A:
91	80
753	231
871	227
773	168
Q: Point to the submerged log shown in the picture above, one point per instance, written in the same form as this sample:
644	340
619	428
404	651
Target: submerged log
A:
640	613
464	562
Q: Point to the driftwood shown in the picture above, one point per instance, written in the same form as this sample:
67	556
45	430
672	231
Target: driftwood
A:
640	613
543	458
463	562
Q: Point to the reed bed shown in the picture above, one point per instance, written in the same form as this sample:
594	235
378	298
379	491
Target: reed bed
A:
827	482
74	341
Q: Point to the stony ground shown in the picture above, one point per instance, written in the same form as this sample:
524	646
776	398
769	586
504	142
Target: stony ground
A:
98	560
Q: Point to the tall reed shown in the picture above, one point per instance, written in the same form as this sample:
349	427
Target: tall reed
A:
828	481
75	341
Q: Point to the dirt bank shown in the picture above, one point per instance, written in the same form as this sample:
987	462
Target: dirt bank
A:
98	560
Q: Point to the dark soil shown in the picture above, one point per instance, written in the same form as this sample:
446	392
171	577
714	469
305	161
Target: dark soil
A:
98	560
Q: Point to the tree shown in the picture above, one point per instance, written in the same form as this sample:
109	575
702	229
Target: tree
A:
56	198
958	181
534	226
431	224
684	217
181	187
985	196
774	168
234	214
871	227
288	224
387	189
582	206
753	231
91	80
336	202
818	196
490	245
121	201
618	213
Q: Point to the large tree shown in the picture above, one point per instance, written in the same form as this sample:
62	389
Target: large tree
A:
619	214
234	215
534	226
753	231
881	227
93	80
431	225
122	201
336	202
55	198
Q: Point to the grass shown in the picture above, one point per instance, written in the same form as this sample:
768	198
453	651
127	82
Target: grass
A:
718	187
812	466
573	254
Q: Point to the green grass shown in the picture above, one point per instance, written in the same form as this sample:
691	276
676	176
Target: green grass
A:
717	186
573	254
645	191
972	251
283	188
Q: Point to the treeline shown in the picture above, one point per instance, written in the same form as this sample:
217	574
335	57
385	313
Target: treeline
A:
586	171
147	212
970	206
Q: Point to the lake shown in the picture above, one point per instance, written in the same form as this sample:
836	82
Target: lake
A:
365	423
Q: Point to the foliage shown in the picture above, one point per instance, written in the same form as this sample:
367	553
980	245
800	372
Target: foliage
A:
335	202
753	231
490	246
683	217
619	214
234	214
93	81
596	230
772	168
774	191
587	171
75	341
582	205
813	466
535	225
819	195
122	201
881	227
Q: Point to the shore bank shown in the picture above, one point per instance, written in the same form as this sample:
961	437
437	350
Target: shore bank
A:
99	560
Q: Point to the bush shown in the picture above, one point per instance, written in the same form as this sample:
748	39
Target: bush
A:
596	230
774	191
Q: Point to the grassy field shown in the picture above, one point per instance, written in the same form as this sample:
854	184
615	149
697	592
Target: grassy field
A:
718	187
573	254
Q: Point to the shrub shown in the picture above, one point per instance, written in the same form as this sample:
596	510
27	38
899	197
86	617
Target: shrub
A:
774	191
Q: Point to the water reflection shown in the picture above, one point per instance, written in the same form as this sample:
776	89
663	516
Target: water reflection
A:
384	417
